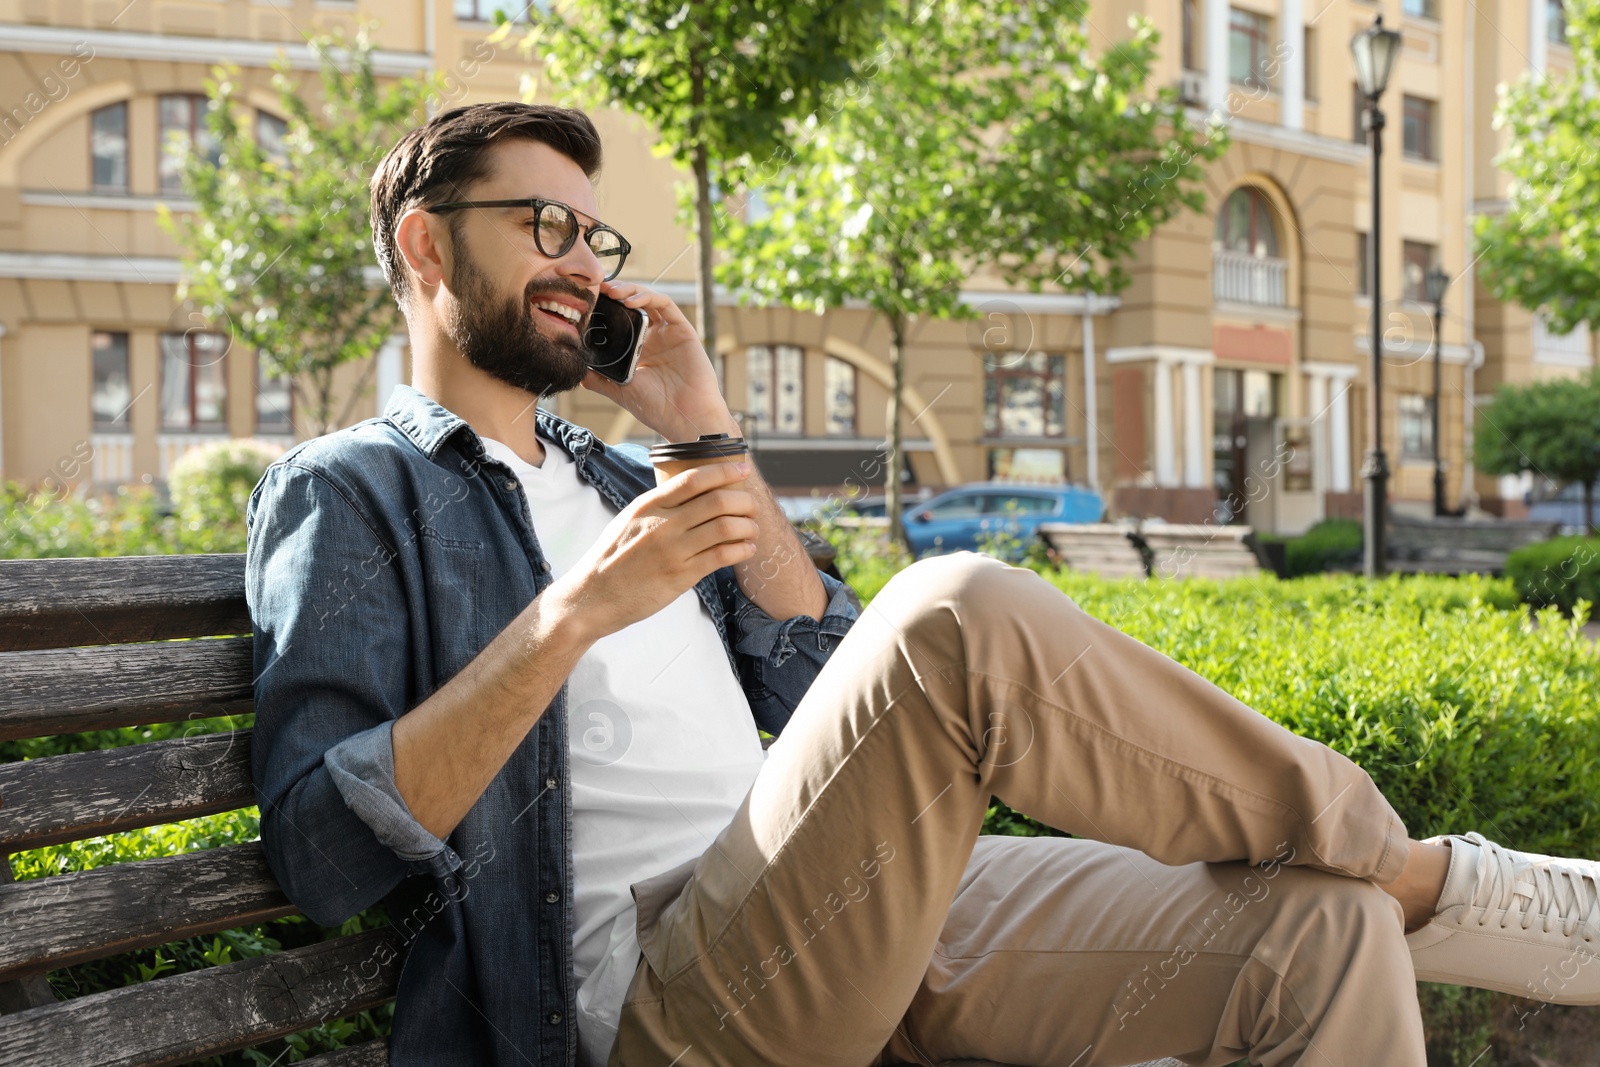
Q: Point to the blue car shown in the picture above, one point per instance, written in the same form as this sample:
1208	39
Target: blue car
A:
961	517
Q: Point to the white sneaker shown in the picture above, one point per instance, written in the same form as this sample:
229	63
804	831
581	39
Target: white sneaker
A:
1516	922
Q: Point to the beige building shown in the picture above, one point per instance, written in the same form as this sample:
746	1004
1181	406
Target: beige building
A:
1236	361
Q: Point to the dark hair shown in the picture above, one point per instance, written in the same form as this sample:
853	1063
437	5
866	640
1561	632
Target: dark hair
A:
436	162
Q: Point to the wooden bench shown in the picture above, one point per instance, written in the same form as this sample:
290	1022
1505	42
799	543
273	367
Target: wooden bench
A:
1199	550
85	644
88	644
1107	549
1460	546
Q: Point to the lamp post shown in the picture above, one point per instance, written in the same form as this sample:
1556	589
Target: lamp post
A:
1438	281
1375	49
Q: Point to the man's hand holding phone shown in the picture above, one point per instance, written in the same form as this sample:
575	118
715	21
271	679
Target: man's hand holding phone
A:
674	387
660	545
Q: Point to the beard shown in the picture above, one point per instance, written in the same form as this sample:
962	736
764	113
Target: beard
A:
499	336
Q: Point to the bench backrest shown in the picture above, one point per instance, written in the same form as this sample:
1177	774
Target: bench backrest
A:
1448	534
90	644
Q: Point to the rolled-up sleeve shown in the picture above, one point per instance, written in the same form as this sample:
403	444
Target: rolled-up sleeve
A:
779	658
332	674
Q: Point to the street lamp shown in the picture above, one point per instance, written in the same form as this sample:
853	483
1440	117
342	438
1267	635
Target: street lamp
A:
1375	49
1438	281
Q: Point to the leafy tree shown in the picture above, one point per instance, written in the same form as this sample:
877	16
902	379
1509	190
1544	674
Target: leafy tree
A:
280	249
986	136
1551	428
715	78
1543	252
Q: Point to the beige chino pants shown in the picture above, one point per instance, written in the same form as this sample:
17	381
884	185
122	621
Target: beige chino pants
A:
1218	902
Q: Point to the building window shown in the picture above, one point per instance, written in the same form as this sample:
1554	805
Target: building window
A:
194	383
1428	9
1417	258
183	123
1416	426
1418	142
839	381
1246	263
485	10
1191	20
1363	283
1040	465
112	394
108	148
1025	395
1555	21
271	132
1249	48
1247	224
274	401
775	375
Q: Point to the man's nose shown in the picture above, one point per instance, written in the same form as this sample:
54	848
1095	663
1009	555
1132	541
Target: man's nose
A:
581	265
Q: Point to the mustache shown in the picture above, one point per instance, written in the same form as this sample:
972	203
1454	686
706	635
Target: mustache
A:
549	286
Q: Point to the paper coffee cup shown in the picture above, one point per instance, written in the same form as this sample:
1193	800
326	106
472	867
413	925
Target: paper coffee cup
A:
674	457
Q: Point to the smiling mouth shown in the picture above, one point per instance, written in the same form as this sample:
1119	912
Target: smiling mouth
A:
566	317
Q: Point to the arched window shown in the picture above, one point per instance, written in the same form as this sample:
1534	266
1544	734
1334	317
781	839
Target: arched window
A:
774	379
1248	224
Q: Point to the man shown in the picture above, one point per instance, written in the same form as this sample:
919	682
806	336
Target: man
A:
511	687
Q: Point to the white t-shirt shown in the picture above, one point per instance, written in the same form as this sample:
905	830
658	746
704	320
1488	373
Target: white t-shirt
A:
663	748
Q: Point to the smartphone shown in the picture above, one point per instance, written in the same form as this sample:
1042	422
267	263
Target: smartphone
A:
613	339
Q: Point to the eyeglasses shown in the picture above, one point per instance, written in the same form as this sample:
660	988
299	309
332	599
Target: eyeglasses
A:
556	228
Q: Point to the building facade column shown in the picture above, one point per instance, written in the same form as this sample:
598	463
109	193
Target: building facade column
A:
1538	39
391	361
2	401
1091	400
1292	64
1218	15
1329	403
1165	468
1317	407
1194	471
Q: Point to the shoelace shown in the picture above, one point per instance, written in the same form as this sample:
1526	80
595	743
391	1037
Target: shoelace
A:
1549	890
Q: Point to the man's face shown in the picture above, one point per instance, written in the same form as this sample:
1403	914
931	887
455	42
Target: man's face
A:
498	276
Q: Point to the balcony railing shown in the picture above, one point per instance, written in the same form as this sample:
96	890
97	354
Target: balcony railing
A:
1241	278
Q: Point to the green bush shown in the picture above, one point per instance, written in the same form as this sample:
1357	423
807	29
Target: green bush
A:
41	523
1330	543
210	487
1558	572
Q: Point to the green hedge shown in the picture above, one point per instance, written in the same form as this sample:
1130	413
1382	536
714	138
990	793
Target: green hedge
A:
202	511
1332	544
1558	572
1466	714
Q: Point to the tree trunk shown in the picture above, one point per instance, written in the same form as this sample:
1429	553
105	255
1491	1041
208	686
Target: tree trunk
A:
892	496
705	281
705	312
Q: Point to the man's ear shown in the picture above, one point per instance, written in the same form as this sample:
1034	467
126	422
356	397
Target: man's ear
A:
423	240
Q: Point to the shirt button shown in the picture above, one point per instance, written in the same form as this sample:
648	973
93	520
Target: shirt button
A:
549	783
544	565
551	897
511	483
555	1017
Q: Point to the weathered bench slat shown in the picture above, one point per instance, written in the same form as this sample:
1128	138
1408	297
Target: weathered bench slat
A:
86	794
57	603
371	1054
70	690
69	918
181	1018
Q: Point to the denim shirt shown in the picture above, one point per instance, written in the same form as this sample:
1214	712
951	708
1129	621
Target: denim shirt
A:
381	559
